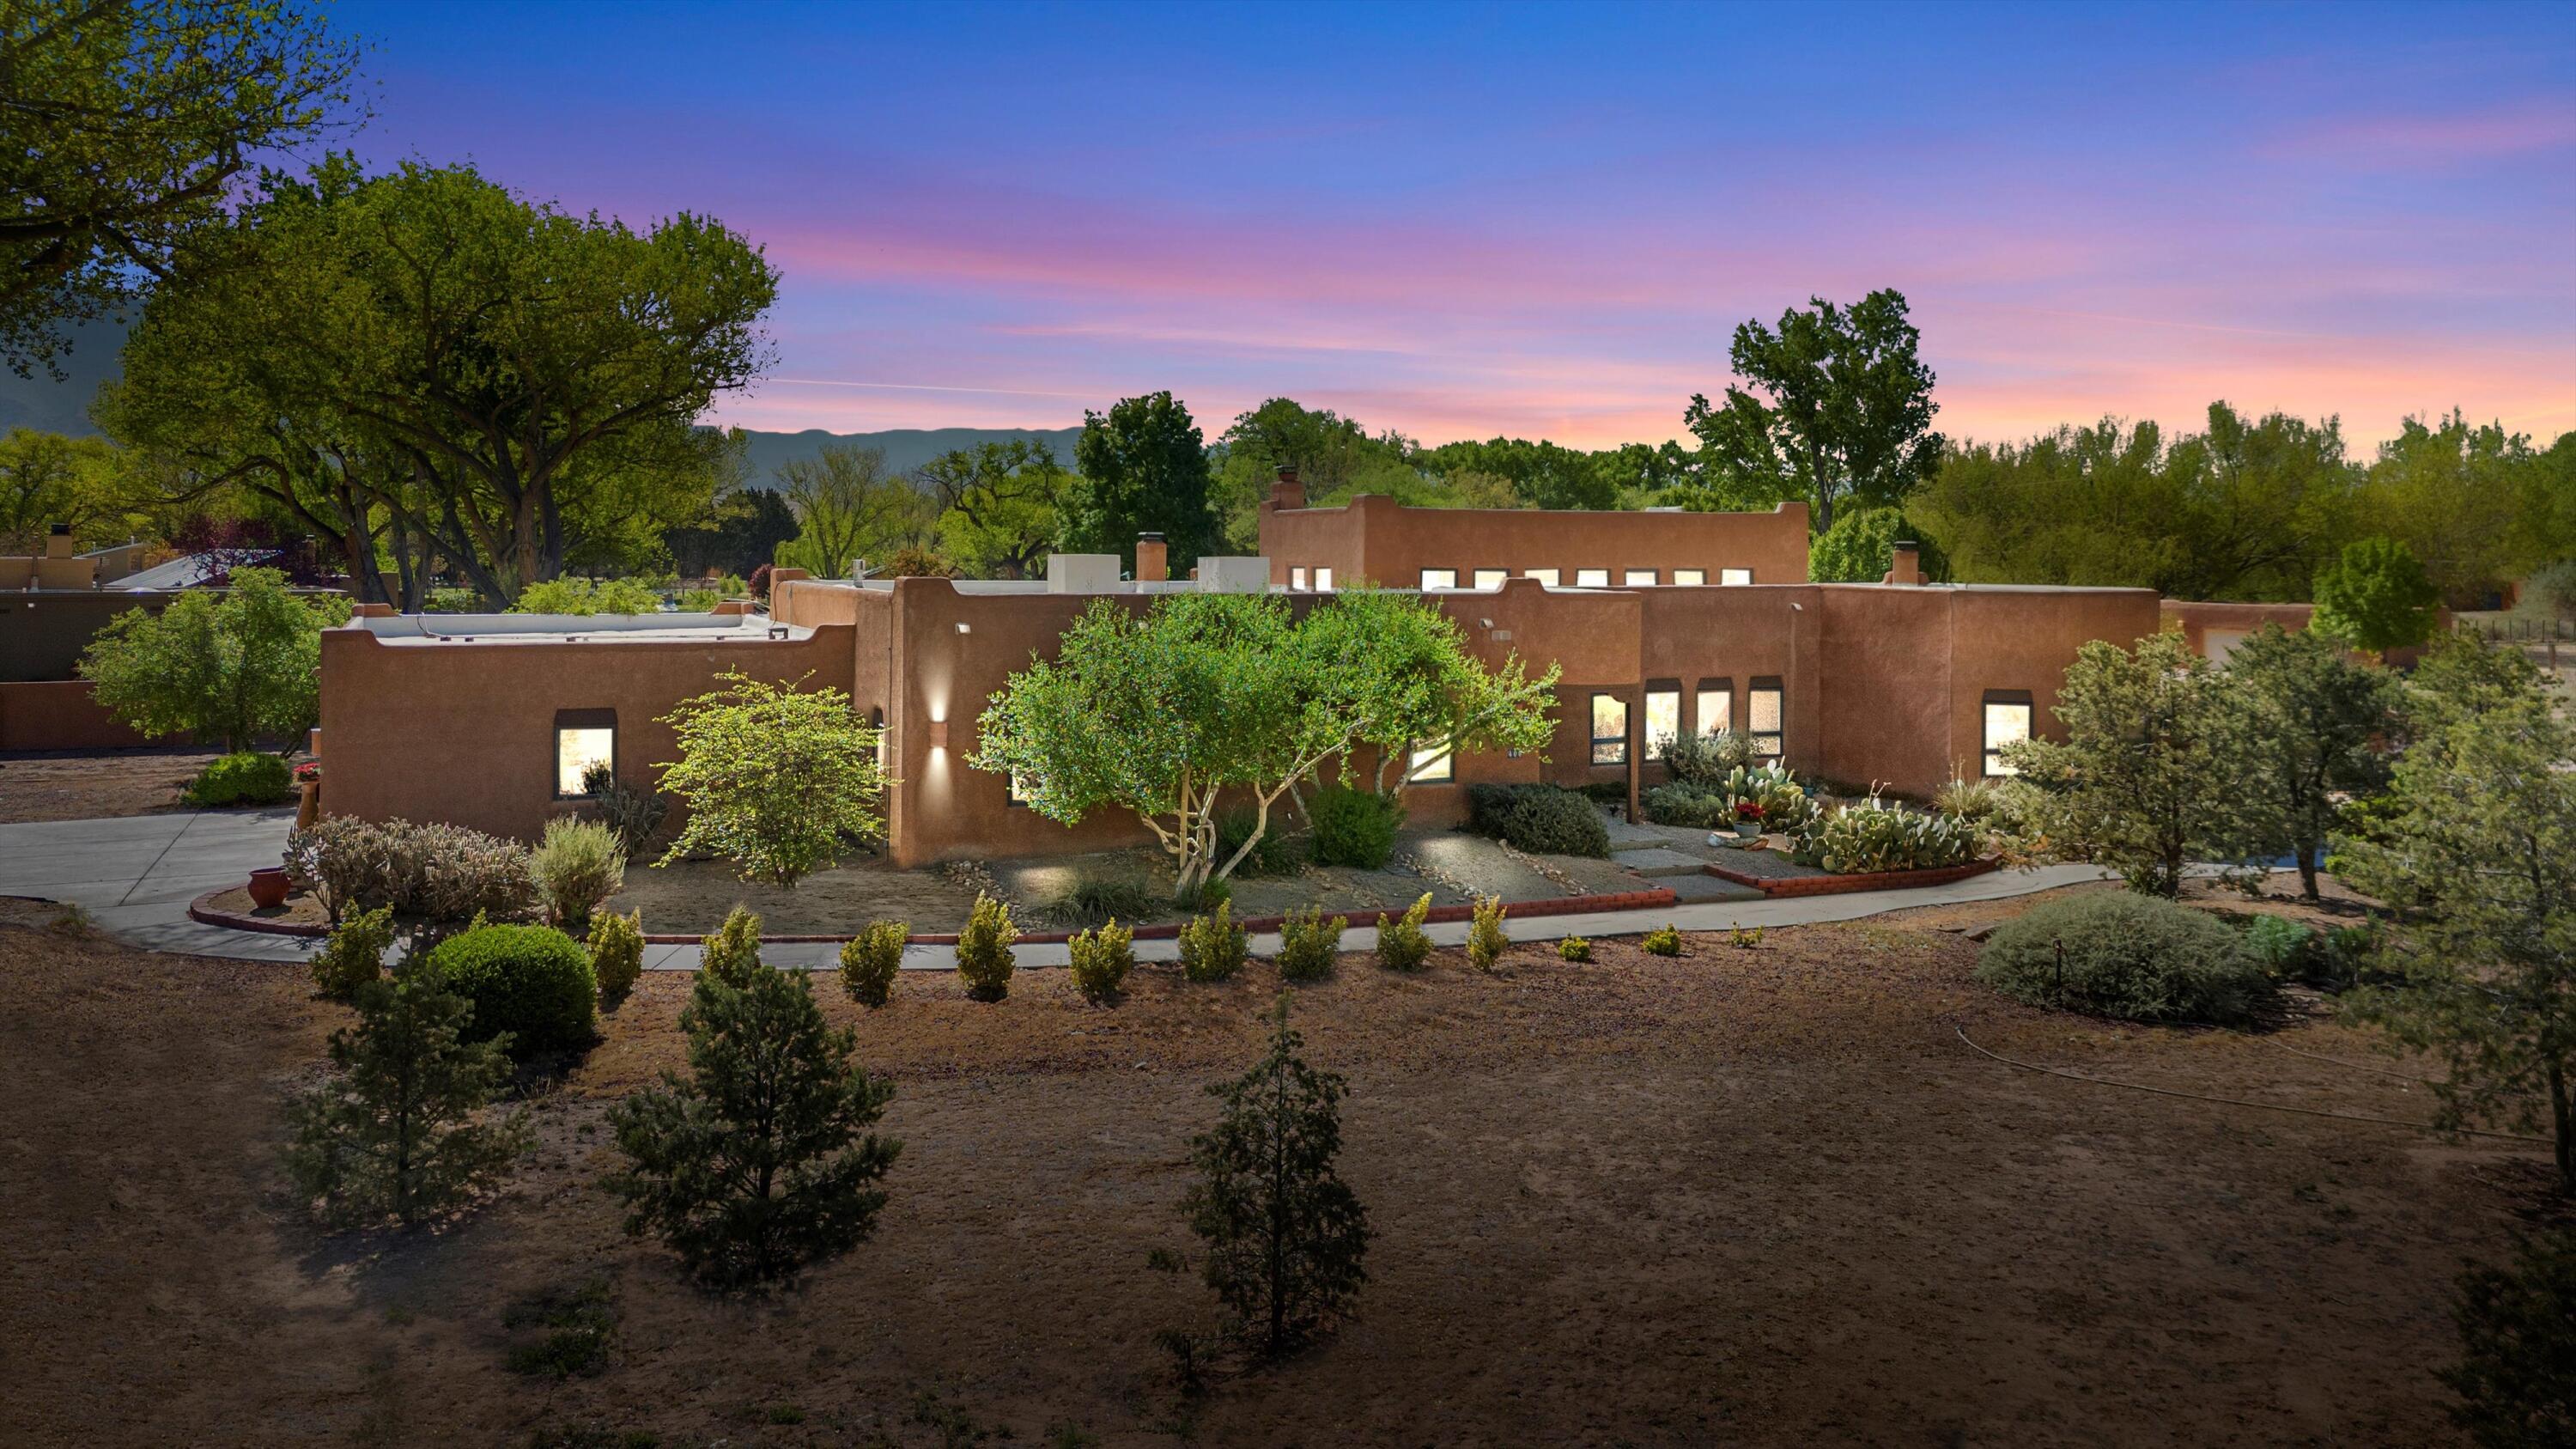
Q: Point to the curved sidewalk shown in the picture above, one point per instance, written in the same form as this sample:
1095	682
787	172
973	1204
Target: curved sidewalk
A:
135	877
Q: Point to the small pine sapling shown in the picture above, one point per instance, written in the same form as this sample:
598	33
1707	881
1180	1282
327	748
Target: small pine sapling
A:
1485	939
870	959
1404	945
1102	957
984	956
616	954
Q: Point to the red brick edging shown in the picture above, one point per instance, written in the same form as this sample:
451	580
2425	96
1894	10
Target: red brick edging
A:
1835	885
203	911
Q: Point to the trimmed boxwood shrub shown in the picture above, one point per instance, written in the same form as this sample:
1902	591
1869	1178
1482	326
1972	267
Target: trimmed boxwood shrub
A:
246	777
870	959
1355	828
2130	956
1541	819
1212	945
1308	941
1102	957
533	982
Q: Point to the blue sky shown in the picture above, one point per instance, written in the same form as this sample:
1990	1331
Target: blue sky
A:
1547	220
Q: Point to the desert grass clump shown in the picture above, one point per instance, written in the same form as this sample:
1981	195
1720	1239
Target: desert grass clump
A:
355	954
1102	957
984	956
1574	948
870	959
1308	942
1665	941
1093	896
616	954
730	954
1485	939
1212	945
1404	945
577	865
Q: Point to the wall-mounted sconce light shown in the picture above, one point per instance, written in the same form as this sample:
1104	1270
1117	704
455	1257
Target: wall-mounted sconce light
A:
965	628
939	734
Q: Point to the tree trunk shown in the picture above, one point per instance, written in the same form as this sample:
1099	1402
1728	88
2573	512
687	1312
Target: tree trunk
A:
2308	870
2564	1113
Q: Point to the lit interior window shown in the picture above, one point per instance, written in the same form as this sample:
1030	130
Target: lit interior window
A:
1488	580
1297	578
1544	576
1434	764
583	738
1592	578
1762	717
1716	708
1323	581
1439	579
1638	578
2007	720
1663	720
1735	576
1689	578
1019	788
876	721
1609	730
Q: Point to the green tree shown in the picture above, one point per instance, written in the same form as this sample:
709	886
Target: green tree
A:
228	669
130	123
1285	1235
46	478
997	506
2478	851
1143	469
759	1161
848	507
1392	672
400	1131
2376	597
779	780
2462	500
1861	547
1839	407
2517	1372
1542	474
2317	719
2147	779
333	351
587	597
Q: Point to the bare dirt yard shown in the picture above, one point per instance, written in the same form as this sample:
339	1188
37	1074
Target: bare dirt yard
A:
90	784
1757	1196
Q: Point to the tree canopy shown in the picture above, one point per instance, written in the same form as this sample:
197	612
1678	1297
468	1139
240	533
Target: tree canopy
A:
848	507
998	505
230	668
2375	596
130	122
1144	469
46	478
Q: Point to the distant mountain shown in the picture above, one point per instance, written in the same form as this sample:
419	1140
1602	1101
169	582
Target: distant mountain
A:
41	403
905	448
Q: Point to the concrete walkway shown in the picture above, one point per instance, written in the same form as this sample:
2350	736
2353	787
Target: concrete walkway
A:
136	876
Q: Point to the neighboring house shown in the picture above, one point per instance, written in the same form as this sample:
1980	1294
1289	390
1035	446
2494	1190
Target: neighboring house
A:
485	720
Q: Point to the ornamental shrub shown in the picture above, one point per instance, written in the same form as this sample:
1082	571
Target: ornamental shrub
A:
1705	760
1308	942
355	954
1663	941
870	959
1276	853
2281	944
1094	896
1574	948
440	872
1102	957
730	954
1874	836
532	984
1404	945
2127	955
1354	828
1541	819
984	957
1689	806
245	777
576	866
630	814
586	597
616	954
1212	945
1485	938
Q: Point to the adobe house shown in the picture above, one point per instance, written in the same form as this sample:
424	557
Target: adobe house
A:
51	605
487	720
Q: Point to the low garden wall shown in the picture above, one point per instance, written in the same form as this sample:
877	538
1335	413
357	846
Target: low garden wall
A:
58	714
1835	885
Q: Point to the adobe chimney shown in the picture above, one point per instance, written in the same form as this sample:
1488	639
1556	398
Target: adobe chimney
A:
1905	564
58	541
1287	492
1153	561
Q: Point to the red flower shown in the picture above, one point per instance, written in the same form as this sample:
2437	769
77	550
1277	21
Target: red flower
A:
308	772
1748	810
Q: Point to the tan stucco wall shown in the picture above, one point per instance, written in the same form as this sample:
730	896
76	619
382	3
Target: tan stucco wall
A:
61	714
1374	538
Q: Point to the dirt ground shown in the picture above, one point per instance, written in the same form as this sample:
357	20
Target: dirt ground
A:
64	785
1756	1196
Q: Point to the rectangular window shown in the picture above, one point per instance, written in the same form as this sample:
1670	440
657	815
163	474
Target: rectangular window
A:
1735	576
2007	720
1716	705
1609	730
1544	576
1323	581
1297	578
1488	580
1439	579
583	738
1689	578
1434	764
1592	578
1663	717
1638	579
1762	718
876	721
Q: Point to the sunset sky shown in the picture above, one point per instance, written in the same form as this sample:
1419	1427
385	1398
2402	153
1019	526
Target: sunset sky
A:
1547	221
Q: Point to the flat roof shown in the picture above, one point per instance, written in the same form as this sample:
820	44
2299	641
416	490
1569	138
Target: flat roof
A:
417	629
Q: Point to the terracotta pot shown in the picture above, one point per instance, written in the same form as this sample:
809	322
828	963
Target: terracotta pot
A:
309	808
268	887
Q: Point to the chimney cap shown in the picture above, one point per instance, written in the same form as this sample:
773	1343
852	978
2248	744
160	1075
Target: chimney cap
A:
1287	473
62	530
1904	543
1149	538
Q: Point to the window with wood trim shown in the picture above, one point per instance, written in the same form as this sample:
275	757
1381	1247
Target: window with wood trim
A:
583	738
1663	716
1716	705
1764	718
1488	580
1432	764
1637	579
2007	719
1609	730
1735	576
